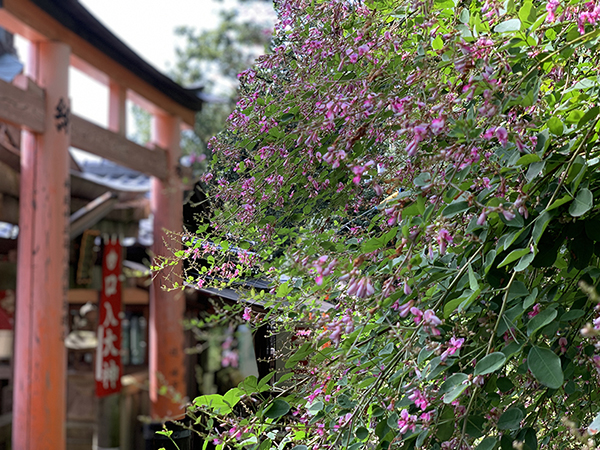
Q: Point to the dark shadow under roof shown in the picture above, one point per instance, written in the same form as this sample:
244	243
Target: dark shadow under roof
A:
72	15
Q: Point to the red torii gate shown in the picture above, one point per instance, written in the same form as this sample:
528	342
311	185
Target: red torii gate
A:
63	33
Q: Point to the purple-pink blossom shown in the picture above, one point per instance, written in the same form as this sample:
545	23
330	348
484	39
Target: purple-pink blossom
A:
406	422
453	346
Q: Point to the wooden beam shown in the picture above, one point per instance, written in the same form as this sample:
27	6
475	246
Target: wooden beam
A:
25	18
27	108
131	296
23	107
99	141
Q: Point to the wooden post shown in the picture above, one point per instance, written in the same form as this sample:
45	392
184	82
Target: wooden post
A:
109	411
39	402
166	351
117	108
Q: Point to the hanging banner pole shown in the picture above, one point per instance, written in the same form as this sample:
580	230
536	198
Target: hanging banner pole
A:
108	354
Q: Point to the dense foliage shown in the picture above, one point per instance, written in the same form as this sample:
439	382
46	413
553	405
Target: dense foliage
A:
430	170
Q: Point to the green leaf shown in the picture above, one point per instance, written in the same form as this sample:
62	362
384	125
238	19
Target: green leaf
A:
534	170
574	116
445	427
233	396
527	13
452	381
263	384
559	202
586	83
437	43
475	426
525	160
524	262
510	419
540	320
504	384
455	393
530	299
508	26
573	314
473	284
592	113
490	363
361	433
545	366
249	385
424	179
487	444
286	117
315	407
454	386
513	256
582	204
455	208
366	382
556	126
540	225
277	409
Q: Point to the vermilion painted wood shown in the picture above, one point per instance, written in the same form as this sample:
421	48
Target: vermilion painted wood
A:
102	142
39	399
117	108
166	357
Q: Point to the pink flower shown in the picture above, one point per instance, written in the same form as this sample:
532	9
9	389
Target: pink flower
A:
363	49
508	215
481	219
411	148
443	239
407	289
534	312
562	342
551	7
445	235
417	313
247	314
419	399
502	135
426	417
437	125
406	422
430	318
453	346
405	309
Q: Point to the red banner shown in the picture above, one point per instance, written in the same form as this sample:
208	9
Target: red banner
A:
108	353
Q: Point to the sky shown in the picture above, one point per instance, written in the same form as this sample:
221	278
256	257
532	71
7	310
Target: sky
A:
147	26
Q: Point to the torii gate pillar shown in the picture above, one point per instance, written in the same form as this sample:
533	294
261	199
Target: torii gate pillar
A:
39	399
166	350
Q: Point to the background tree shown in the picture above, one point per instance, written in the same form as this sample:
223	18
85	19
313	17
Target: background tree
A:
211	59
